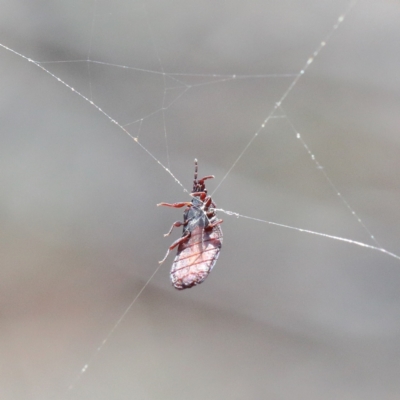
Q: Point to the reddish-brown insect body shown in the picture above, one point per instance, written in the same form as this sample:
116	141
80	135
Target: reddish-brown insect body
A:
201	240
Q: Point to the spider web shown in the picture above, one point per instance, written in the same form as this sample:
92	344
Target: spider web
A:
265	101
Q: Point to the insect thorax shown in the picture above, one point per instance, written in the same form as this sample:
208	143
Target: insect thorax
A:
196	218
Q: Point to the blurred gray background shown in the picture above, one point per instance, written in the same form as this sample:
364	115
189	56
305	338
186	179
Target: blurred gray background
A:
284	314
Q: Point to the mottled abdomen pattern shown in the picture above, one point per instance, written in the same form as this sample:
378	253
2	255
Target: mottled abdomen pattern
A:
196	257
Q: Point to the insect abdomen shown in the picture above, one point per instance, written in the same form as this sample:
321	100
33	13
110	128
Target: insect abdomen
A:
196	257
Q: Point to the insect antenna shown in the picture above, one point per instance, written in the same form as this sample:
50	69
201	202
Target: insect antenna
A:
198	185
195	175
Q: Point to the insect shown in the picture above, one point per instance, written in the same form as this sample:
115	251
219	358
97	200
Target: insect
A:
201	240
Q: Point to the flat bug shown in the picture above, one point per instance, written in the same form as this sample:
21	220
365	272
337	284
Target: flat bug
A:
201	240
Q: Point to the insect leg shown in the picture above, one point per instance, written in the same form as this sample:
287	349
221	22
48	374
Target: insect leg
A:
175	205
202	195
173	245
176	225
210	226
207	202
199	186
201	181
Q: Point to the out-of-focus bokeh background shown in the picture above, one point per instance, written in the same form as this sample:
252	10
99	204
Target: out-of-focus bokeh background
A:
285	314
